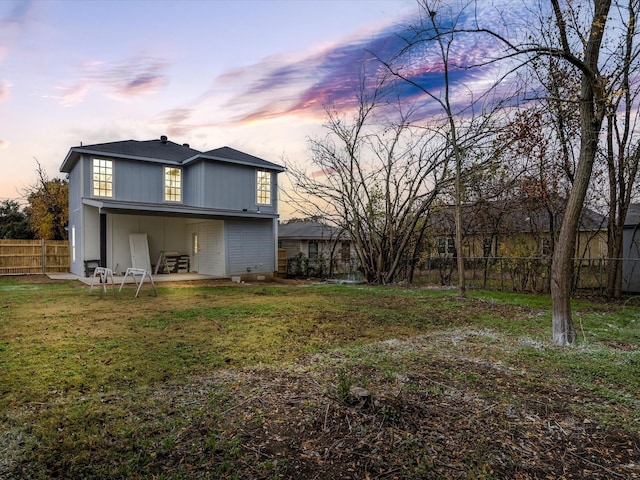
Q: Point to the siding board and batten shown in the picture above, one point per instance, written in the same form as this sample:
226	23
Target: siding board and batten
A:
251	247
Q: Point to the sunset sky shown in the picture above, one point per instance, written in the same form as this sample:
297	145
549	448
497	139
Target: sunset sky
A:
254	75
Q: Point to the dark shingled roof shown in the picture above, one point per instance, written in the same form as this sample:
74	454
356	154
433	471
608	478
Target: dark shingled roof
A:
162	150
308	230
236	156
151	149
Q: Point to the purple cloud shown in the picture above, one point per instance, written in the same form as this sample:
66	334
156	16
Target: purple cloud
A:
17	14
139	75
331	78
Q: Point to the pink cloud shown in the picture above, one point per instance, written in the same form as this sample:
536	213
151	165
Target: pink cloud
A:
4	144
136	76
68	96
4	90
176	115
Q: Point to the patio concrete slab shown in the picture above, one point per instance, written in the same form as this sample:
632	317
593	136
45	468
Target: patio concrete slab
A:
117	279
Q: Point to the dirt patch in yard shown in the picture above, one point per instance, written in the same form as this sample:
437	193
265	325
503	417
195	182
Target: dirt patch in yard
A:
436	418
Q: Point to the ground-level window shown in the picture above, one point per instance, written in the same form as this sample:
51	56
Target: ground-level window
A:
102	174
172	184
487	247
263	189
545	246
345	251
313	250
446	246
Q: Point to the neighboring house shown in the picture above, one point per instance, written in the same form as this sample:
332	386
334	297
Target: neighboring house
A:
217	208
324	248
631	250
498	231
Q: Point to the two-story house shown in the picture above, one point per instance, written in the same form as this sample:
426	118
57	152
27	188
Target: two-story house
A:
219	207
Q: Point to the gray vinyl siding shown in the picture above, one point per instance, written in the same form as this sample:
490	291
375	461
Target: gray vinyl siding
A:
230	187
194	185
138	181
631	266
204	184
76	223
250	246
132	181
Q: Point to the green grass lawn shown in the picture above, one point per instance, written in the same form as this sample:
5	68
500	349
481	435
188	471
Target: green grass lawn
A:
252	381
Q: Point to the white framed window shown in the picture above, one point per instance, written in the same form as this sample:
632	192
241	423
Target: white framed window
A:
172	184
102	178
195	243
263	188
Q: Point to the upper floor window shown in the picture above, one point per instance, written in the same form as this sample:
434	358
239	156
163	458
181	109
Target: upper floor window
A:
102	178
263	190
172	184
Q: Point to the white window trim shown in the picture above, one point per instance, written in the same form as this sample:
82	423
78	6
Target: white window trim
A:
93	189
165	186
258	191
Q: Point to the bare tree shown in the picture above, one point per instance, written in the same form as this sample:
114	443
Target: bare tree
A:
622	150
374	176
466	125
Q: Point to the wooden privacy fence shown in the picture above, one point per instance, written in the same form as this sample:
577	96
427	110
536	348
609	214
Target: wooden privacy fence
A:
33	256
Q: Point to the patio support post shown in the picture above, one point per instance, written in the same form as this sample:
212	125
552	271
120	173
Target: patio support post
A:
103	239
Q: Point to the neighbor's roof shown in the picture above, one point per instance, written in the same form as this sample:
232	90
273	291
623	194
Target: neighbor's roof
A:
479	220
308	230
163	151
633	215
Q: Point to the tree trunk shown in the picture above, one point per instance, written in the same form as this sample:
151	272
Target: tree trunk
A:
592	110
458	221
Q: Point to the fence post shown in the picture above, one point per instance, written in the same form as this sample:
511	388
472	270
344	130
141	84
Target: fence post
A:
44	256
